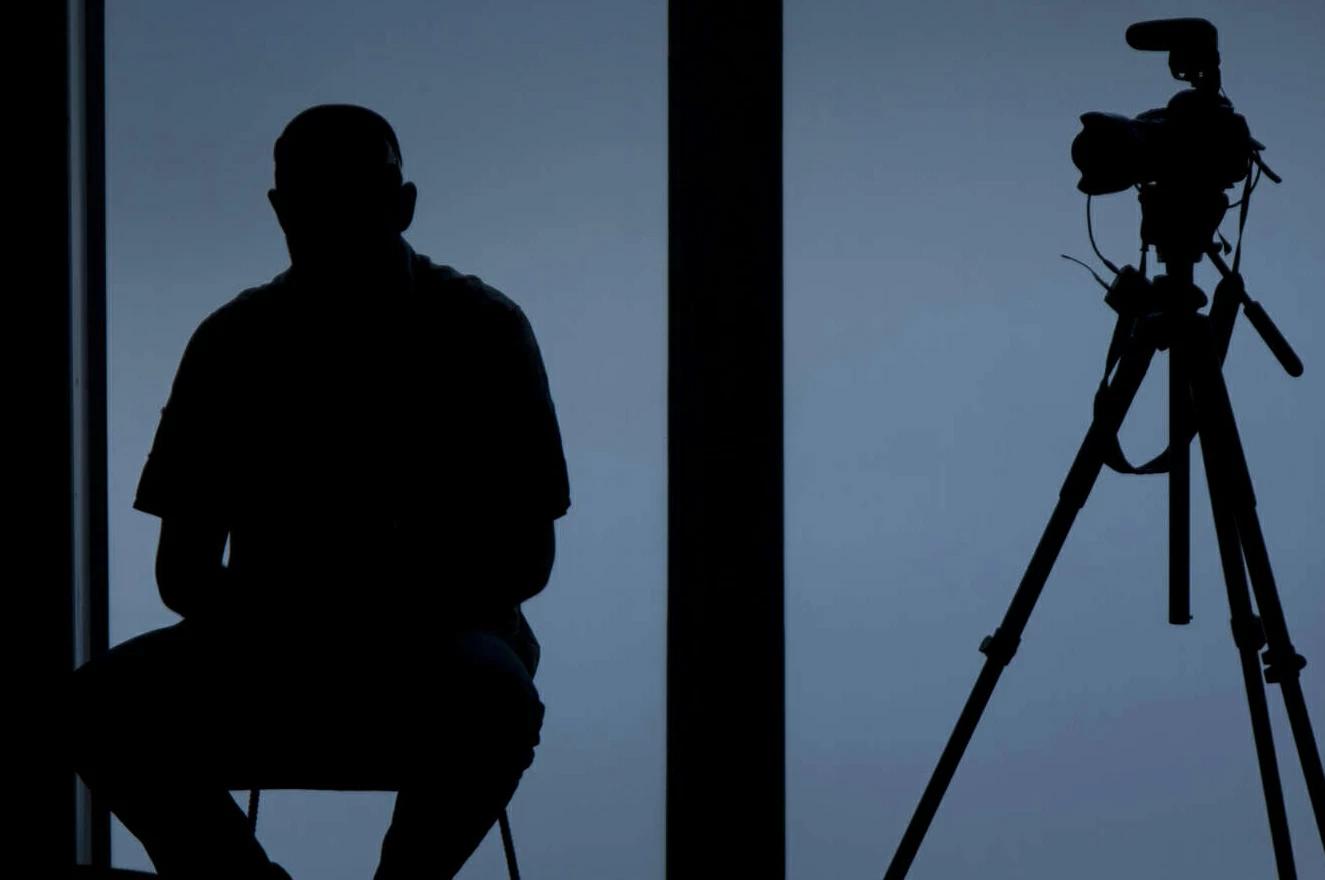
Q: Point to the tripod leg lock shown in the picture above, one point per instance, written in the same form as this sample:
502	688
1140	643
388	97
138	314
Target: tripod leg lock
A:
1281	666
1248	634
999	646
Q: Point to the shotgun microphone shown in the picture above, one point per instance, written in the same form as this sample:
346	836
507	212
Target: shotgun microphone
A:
1167	34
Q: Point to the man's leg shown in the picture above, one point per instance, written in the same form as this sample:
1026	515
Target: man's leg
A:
486	727
147	740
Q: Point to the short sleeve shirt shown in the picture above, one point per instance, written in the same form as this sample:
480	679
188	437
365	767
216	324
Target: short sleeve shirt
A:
319	429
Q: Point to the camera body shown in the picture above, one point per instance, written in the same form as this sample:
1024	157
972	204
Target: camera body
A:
1196	141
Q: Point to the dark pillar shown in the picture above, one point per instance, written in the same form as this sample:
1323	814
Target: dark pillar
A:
725	689
46	375
86	392
57	476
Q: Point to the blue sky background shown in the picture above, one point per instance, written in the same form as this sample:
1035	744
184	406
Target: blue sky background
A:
940	360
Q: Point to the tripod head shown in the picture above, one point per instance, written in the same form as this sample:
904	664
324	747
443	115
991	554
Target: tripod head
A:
1180	222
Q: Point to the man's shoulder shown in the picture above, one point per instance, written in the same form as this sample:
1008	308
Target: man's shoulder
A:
447	287
252	301
249	305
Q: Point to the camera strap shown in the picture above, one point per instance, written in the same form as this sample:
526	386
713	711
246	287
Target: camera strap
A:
1247	187
1112	454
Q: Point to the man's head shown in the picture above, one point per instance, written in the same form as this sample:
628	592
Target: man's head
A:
340	196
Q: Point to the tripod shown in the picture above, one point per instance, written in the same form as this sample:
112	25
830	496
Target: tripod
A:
1152	317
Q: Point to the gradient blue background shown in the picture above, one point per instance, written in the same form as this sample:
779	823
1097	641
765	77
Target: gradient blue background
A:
536	137
940	359
940	364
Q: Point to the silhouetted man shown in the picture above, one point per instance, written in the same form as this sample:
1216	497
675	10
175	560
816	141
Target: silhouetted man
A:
374	435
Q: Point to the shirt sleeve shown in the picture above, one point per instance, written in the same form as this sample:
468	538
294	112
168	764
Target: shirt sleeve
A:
185	470
535	463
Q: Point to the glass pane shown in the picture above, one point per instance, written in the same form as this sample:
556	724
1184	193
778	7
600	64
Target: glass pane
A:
536	135
941	363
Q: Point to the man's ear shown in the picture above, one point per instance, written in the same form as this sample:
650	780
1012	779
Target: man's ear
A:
408	197
278	205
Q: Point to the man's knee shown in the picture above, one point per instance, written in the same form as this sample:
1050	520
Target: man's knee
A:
497	696
116	715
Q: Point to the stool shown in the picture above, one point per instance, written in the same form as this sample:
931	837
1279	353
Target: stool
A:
507	841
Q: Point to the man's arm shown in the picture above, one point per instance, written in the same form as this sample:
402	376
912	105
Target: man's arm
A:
530	482
189	567
186	480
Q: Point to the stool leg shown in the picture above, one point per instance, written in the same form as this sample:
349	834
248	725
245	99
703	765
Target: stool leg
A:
508	844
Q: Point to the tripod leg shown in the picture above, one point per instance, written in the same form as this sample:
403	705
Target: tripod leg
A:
999	647
1282	662
1249	637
